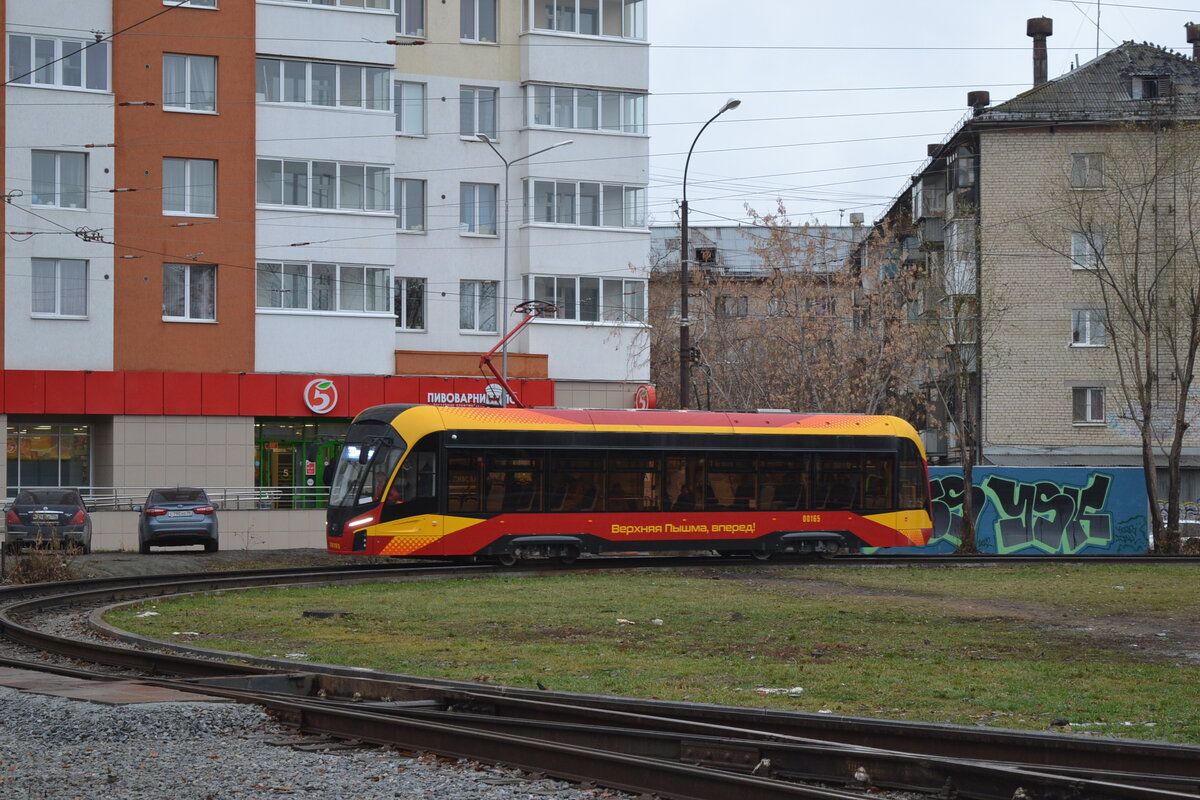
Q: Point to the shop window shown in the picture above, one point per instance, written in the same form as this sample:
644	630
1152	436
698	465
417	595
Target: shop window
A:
51	454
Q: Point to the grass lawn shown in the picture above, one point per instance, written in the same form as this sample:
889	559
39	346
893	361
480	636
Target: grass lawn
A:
1114	649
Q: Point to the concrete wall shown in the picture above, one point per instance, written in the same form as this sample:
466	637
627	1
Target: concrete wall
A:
116	531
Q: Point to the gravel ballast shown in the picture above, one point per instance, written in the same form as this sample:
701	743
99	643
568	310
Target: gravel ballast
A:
53	748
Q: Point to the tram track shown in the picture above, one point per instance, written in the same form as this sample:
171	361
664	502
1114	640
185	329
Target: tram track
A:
672	749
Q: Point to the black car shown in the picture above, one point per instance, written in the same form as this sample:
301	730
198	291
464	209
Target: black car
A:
179	516
49	515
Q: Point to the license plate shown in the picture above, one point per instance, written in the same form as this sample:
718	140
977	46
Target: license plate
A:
40	516
179	513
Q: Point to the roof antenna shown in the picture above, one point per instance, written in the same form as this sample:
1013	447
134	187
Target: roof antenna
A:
1097	28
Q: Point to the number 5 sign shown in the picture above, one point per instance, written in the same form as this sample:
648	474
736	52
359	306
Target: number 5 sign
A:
320	395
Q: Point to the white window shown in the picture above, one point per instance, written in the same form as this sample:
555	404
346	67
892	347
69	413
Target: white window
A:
59	287
317	83
59	179
1087	249
1087	170
1087	327
369	5
409	102
477	20
585	203
591	299
189	82
190	292
192	3
410	204
477	208
477	306
57	63
617	18
410	17
476	111
586	109
1087	405
408	303
189	186
323	287
324	184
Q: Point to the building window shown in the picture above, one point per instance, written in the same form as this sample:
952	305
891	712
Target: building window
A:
1150	87
1087	170
477	208
410	204
324	184
410	17
317	83
370	5
323	287
408	303
190	292
624	19
189	186
59	179
585	203
477	306
591	299
59	287
1087	327
586	109
189	83
476	111
409	102
1088	405
48	454
192	3
1087	250
57	63
477	22
732	307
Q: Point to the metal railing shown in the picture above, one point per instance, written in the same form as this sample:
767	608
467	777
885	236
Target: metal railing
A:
243	498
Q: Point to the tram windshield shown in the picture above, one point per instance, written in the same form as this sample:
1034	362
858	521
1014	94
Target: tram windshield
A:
364	467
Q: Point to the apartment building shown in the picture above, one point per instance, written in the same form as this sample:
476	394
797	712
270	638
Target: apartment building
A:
1032	223
233	225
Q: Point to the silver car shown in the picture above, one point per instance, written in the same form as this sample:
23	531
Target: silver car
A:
179	516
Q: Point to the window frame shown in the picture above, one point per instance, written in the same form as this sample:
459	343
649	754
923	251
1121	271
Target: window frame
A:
478	299
624	126
60	289
402	9
730	306
205	4
189	270
370	95
1088	327
471	226
632	217
58	180
1087	170
188	186
328	279
1083	405
404	211
189	105
474	35
340	5
632	25
401	108
380	174
476	106
1087	250
630	309
26	74
402	301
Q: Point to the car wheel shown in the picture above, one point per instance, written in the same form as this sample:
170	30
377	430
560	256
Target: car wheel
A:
212	547
143	547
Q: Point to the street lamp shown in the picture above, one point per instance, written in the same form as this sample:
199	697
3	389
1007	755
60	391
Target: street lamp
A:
483	137
685	375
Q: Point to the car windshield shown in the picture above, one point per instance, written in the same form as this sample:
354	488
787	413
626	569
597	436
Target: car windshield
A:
179	495
48	497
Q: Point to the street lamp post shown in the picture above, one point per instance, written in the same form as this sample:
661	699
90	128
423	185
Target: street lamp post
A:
483	137
685	375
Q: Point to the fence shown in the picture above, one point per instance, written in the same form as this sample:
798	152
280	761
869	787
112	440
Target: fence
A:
239	498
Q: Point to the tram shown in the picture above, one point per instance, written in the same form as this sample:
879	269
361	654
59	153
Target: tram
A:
507	484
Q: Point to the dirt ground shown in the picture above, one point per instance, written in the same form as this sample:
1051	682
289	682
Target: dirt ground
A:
187	559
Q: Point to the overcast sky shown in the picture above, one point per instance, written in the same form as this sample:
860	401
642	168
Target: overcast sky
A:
839	99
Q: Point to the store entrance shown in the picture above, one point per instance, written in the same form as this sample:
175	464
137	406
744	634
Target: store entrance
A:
297	458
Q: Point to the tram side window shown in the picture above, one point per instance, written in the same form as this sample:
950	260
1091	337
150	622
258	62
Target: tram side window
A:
575	482
783	483
837	484
418	474
633	483
463	484
914	486
731	483
512	481
878	480
684	482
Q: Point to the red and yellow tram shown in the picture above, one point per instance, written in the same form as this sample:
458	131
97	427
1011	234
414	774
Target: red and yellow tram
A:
509	484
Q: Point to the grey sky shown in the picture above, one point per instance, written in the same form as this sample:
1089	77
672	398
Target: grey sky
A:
839	99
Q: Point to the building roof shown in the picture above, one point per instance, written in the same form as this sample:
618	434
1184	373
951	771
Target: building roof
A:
1111	86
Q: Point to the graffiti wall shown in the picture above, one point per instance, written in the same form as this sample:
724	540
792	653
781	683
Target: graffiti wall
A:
1032	510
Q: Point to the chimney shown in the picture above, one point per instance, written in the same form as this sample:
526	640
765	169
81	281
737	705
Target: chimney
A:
1039	28
931	150
979	100
1193	34
856	218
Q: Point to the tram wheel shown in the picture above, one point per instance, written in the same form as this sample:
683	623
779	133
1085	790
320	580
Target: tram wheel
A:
506	560
569	556
761	555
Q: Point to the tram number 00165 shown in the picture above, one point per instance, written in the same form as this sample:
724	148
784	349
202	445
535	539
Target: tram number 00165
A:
811	518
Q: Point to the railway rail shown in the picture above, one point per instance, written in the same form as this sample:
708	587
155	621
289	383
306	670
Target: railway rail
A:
676	750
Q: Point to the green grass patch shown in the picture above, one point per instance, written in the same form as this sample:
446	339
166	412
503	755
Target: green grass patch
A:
998	646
